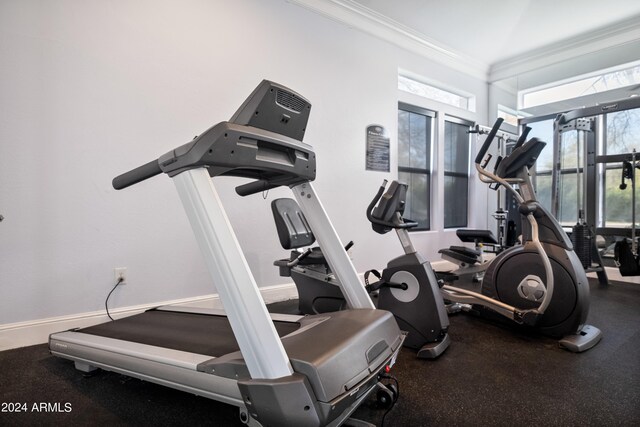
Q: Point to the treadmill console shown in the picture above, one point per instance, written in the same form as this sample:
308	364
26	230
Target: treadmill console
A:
275	108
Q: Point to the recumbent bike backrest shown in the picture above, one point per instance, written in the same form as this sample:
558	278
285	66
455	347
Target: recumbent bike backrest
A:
293	230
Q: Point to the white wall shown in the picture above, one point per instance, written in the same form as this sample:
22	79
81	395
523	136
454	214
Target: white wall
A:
89	89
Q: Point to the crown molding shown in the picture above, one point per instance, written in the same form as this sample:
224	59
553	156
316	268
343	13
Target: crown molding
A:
626	32
359	17
507	85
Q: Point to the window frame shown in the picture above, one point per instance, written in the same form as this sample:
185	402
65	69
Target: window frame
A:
554	90
576	172
428	171
536	172
468	98
562	173
608	162
467	174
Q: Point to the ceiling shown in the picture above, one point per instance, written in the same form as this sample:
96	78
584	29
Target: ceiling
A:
531	41
490	31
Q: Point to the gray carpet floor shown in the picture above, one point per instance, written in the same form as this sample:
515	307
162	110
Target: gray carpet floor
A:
492	374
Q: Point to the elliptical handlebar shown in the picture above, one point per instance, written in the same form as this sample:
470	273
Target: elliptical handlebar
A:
523	137
489	140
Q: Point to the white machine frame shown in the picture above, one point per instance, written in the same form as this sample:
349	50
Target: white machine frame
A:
240	296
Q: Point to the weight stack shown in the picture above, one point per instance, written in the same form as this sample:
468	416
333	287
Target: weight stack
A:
581	239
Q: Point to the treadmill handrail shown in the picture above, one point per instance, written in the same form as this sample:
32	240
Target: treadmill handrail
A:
230	149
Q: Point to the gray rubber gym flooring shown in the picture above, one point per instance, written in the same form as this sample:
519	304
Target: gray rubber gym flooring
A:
491	375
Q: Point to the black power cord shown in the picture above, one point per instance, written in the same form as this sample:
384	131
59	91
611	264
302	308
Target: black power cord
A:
106	302
395	399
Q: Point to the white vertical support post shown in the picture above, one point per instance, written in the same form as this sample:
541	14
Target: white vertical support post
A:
332	249
257	337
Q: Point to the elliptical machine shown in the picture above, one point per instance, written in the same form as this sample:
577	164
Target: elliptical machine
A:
408	287
473	261
541	283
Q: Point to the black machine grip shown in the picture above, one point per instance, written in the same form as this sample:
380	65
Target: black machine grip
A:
303	255
136	175
375	200
373	220
254	187
489	140
409	223
523	137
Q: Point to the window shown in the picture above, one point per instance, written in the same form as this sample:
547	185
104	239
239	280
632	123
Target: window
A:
456	172
571	158
622	136
415	133
623	132
616	206
609	136
543	130
570	182
510	115
425	90
602	81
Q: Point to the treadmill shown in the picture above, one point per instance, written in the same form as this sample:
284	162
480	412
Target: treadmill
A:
279	370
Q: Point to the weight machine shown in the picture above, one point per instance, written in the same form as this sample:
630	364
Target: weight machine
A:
626	254
590	125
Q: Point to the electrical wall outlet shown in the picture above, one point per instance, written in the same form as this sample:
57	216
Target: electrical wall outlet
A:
120	273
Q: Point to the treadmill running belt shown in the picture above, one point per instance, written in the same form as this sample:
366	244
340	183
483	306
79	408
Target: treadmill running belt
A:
191	332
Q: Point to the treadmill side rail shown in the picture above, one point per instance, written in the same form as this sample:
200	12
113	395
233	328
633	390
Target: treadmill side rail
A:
353	290
63	342
257	338
170	368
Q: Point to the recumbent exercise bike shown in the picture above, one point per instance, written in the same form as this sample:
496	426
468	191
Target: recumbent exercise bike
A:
408	287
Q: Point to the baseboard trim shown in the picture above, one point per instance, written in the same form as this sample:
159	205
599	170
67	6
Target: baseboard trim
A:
22	334
614	274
